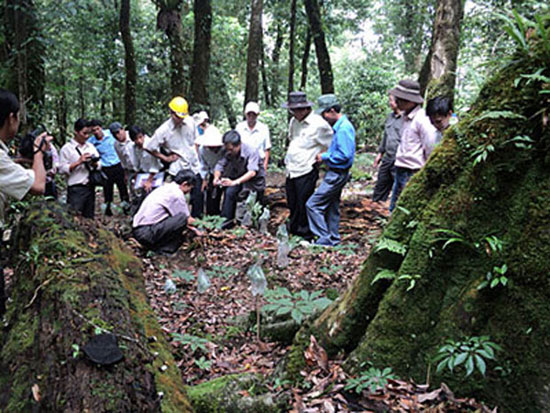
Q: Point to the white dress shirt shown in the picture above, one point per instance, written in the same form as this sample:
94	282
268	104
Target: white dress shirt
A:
257	137
69	155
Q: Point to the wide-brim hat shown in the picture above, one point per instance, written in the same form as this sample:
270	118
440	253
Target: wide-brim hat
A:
210	137
200	117
408	90
297	100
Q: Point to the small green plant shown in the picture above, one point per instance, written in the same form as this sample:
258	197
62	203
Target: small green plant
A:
210	222
238	232
299	305
330	271
495	277
184	275
387	274
203	364
390	245
76	350
193	342
346	249
371	379
222	271
469	354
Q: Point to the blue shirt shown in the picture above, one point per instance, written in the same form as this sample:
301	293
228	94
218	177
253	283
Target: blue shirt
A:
106	148
342	148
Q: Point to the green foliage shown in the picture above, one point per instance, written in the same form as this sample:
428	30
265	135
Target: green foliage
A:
384	274
210	222
390	245
76	350
331	270
387	274
299	305
495	277
239	232
372	379
468	354
193	342
184	275
203	363
222	271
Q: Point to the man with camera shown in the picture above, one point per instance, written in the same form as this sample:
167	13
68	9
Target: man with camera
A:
78	158
16	181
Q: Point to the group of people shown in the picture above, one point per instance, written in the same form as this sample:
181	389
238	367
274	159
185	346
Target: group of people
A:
410	134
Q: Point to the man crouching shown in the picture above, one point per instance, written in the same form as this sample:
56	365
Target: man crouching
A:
164	215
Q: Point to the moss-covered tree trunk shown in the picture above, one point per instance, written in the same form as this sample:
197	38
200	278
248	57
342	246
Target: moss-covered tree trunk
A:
484	180
71	282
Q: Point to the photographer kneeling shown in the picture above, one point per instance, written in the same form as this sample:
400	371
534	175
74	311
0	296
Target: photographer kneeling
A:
15	180
76	160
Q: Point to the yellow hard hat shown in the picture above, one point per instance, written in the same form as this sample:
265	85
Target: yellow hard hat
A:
179	106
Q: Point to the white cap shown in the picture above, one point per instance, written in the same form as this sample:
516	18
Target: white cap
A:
252	107
200	117
210	137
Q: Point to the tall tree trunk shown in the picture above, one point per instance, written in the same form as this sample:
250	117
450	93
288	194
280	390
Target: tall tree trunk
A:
305	58
200	70
61	105
26	52
265	83
323	58
254	51
169	21
440	247
129	64
275	74
438	74
291	46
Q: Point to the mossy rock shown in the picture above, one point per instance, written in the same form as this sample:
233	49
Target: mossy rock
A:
234	394
72	280
508	196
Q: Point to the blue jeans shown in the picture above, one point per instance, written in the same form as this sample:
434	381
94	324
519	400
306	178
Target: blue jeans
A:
323	207
402	176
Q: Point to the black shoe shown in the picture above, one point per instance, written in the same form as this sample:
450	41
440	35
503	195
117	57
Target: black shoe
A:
228	224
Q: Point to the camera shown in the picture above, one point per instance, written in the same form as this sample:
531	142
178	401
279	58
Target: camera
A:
94	159
27	149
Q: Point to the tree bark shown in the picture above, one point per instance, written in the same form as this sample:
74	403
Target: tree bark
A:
169	21
265	83
305	58
438	74
129	64
323	58
254	51
291	36
27	77
399	324
75	281
275	73
200	70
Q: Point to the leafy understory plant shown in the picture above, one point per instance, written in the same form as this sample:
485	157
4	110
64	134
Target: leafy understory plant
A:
391	246
184	275
468	354
203	363
193	342
371	379
299	305
210	222
222	271
387	274
495	277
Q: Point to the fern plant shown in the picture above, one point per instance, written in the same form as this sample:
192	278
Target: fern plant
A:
390	245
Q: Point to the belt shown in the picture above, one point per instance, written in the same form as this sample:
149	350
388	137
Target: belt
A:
338	170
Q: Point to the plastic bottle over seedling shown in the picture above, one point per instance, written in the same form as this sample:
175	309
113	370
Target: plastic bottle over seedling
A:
203	282
258	283
283	247
264	220
169	287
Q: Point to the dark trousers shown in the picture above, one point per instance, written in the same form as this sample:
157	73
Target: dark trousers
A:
236	193
50	189
115	175
384	183
213	197
164	236
298	191
81	198
402	176
197	198
2	292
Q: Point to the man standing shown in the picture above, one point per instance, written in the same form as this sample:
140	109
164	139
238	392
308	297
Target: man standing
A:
386	152
164	215
440	112
417	137
309	135
242	171
123	148
76	158
177	137
104	142
15	181
144	162
323	207
255	133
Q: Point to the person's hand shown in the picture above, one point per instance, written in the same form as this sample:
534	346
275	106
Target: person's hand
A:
204	185
227	182
172	157
319	158
147	186
196	231
43	146
85	157
216	182
377	160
